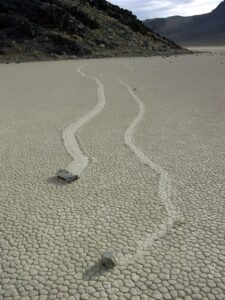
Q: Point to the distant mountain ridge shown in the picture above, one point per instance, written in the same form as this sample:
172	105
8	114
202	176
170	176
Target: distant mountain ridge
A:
80	28
206	29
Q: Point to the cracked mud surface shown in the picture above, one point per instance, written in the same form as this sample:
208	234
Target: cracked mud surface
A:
53	234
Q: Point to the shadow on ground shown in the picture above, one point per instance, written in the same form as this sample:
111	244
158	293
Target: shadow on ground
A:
57	181
94	271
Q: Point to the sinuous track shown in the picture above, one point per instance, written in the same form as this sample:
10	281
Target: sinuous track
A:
126	65
158	145
165	180
80	160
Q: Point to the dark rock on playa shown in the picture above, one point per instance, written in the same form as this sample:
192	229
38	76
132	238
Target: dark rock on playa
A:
66	175
108	260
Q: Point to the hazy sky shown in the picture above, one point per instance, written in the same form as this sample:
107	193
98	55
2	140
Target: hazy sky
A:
162	8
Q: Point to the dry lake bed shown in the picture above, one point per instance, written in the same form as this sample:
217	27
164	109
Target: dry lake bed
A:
146	136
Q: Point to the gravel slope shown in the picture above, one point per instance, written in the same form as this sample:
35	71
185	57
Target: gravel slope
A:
162	116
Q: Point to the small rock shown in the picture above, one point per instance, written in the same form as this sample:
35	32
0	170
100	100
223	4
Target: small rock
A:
179	221
66	175
108	260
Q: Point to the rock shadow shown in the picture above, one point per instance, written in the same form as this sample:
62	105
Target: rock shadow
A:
94	271
57	181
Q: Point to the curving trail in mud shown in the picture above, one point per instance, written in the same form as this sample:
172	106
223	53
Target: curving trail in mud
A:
80	160
165	180
127	66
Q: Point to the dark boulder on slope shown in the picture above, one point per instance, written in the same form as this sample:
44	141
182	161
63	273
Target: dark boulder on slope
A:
65	28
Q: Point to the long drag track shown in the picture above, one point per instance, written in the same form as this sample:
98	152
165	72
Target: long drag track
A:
146	137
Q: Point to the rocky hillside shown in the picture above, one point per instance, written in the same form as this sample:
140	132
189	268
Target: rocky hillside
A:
207	29
78	28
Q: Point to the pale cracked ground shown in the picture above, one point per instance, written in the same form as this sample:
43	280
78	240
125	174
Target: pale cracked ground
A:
53	234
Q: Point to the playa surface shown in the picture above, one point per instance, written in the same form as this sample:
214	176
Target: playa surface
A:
147	138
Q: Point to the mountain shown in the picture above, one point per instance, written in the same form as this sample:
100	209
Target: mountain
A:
79	28
206	29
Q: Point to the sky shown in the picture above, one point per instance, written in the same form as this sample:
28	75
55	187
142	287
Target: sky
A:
148	9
